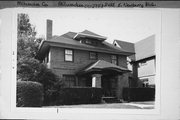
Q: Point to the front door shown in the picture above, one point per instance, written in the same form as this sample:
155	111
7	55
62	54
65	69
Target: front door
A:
107	86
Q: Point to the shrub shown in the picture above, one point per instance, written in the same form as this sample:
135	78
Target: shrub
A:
29	94
69	96
30	69
138	94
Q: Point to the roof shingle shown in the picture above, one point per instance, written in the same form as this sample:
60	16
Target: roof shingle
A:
101	65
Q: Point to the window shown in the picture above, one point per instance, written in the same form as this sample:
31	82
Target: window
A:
46	58
68	55
93	55
145	82
70	80
88	41
143	63
114	59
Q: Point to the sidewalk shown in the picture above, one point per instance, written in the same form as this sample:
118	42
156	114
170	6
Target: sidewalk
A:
142	105
131	105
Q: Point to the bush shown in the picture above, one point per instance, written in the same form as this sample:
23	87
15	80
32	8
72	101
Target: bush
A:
30	69
29	94
69	96
138	94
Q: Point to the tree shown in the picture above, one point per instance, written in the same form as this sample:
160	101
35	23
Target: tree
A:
27	42
29	68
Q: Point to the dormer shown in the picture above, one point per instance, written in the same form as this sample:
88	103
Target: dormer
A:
90	38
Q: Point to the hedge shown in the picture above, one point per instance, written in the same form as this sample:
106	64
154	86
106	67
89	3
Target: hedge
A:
29	94
138	94
70	96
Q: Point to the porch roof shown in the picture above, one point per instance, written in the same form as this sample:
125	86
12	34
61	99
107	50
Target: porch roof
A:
101	66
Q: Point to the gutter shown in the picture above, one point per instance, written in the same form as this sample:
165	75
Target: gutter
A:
89	49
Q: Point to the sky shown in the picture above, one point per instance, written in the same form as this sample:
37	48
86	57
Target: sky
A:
129	25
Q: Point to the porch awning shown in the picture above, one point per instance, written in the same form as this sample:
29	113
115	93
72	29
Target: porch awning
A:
101	66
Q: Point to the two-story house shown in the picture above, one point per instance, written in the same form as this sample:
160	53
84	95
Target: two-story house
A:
143	62
85	59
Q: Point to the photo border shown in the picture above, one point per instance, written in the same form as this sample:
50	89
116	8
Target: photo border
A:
66	111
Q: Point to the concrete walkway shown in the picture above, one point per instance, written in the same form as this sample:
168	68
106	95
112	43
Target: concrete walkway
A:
131	105
142	105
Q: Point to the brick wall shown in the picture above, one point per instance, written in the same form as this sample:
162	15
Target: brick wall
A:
122	81
81	60
122	61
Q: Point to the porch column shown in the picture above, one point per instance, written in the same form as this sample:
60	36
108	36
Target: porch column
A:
96	80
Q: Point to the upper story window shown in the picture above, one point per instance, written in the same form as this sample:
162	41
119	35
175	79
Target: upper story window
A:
68	55
93	55
114	59
90	42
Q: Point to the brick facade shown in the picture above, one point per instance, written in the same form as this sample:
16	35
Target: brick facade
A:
81	60
52	52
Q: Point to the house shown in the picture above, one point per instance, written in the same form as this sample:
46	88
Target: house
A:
143	62
85	59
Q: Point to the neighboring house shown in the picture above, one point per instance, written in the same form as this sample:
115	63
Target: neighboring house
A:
85	59
143	62
128	47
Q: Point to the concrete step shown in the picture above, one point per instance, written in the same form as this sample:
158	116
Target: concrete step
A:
110	100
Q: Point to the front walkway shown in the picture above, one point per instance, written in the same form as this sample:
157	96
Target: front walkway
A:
131	105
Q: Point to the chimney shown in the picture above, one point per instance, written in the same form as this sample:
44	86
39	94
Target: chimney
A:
48	29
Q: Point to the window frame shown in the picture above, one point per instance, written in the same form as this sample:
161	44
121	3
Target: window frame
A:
96	55
68	54
67	81
112	59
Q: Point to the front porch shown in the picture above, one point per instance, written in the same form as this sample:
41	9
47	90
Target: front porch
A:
111	78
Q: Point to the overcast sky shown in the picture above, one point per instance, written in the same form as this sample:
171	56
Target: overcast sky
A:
129	25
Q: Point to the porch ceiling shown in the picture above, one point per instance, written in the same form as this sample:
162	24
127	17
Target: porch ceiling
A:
103	67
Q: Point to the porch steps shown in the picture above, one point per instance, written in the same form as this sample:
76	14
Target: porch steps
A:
110	100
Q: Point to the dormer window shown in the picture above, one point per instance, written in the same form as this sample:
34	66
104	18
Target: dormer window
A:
88	41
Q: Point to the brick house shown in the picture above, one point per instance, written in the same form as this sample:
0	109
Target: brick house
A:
85	59
143	62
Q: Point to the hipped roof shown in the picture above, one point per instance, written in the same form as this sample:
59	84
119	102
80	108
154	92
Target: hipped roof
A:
101	65
89	34
67	41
